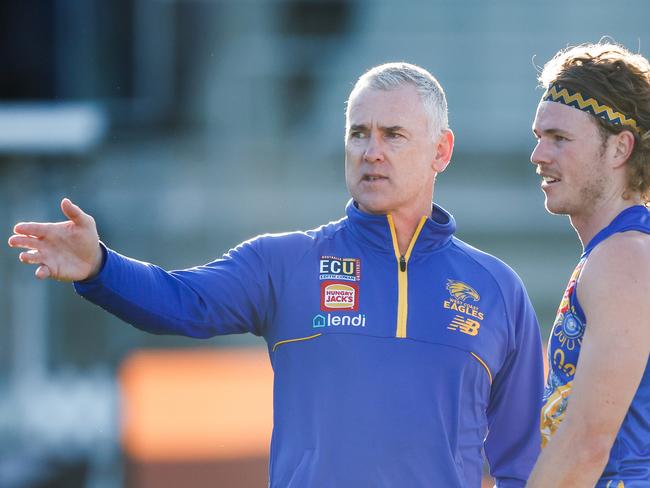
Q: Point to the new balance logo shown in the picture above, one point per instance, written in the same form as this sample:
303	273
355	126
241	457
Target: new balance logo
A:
464	325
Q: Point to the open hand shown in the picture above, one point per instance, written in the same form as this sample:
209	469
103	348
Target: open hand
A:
66	251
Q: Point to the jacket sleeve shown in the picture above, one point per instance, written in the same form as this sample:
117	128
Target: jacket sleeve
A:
228	296
513	441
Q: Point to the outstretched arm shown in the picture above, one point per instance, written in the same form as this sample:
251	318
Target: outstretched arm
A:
229	295
613	289
66	251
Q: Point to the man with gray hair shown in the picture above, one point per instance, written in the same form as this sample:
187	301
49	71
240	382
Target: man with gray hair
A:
400	353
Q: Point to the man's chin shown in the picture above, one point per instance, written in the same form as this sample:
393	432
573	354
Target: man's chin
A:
555	209
373	208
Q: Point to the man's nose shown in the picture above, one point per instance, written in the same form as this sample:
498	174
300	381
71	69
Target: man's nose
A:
374	152
540	154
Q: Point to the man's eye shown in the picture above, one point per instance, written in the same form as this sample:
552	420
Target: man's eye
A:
357	134
393	135
559	138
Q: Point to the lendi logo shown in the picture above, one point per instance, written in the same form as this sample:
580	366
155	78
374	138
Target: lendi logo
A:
332	320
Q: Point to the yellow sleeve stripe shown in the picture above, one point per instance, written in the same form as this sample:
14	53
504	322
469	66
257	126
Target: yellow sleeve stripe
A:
295	340
484	365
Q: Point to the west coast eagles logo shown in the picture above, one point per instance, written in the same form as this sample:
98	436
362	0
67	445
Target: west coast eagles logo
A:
462	291
468	319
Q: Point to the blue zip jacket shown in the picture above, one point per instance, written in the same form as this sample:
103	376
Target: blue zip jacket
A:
390	371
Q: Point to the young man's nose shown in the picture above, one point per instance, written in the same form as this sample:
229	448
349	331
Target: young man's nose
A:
540	154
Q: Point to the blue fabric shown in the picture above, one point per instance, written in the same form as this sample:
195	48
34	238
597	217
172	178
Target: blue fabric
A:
354	405
629	459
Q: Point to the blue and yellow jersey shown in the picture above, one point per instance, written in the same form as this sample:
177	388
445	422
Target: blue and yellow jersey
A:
391	370
629	461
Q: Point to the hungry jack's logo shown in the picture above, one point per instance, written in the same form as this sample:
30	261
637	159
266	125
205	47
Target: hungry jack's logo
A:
339	296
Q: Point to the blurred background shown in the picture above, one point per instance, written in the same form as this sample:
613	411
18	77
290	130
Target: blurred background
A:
187	126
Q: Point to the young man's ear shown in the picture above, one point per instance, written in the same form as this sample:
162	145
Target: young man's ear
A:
622	147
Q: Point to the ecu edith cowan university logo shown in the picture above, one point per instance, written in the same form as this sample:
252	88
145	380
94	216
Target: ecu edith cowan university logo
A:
469	316
340	269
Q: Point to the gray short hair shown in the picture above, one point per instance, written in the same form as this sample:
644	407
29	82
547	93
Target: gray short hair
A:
393	75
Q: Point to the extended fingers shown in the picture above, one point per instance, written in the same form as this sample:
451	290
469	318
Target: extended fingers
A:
50	229
42	272
31	257
36	229
26	241
74	212
35	257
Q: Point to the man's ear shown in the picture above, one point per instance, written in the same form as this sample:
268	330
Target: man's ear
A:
622	147
444	150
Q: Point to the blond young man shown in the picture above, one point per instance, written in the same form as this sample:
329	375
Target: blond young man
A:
593	154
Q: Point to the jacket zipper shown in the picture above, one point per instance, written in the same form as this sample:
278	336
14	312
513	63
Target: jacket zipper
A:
402	275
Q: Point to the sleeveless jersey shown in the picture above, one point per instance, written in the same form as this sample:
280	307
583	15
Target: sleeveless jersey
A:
629	461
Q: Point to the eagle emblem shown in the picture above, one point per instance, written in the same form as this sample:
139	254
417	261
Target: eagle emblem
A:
462	291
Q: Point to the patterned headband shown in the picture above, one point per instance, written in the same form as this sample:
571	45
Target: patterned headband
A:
560	94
